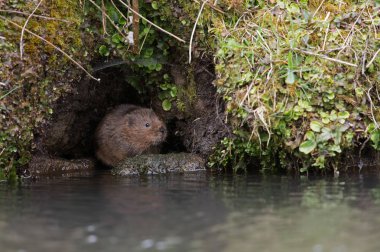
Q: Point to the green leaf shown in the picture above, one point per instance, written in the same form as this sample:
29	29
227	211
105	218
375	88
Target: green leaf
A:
371	127
375	138
164	86
103	50
316	126
116	38
173	92
290	61
290	78
343	115
293	8
359	91
333	116
330	95
307	146
155	5
162	96
325	120
310	135
303	104
166	105
335	148
122	21
158	67
148	52
320	162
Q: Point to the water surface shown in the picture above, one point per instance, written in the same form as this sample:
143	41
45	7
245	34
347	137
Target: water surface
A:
192	213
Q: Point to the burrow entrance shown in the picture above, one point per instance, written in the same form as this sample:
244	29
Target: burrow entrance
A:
197	128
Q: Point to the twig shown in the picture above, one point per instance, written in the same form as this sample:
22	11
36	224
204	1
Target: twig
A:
9	92
111	21
250	87
327	31
146	35
150	22
364	58
327	58
371	105
352	27
104	21
120	12
317	9
195	26
213	6
24	27
373	58
135	26
51	44
372	22
36	16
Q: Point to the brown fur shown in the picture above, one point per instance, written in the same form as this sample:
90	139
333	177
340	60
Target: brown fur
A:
127	131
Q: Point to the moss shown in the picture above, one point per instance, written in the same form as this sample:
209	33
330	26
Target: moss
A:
30	86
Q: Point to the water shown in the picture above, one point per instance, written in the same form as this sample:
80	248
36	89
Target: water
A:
192	213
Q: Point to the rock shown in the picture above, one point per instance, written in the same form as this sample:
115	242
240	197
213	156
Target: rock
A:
45	166
160	164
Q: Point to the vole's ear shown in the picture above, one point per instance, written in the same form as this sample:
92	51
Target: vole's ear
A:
131	121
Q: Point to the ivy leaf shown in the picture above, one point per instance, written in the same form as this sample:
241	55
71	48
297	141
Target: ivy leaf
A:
122	21
343	115
335	148
116	38
310	135
324	137
330	95
103	50
173	92
166	105
155	5
158	67
316	126
375	138
307	146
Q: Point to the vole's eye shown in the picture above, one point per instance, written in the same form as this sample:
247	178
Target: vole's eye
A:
147	125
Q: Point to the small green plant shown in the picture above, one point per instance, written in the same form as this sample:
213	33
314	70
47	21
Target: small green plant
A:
168	93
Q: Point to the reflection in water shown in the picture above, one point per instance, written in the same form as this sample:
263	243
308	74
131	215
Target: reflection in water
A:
192	213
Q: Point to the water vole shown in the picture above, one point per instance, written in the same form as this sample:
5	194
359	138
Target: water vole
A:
126	131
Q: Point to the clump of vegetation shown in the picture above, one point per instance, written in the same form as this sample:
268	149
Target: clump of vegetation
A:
300	80
145	49
35	74
163	38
